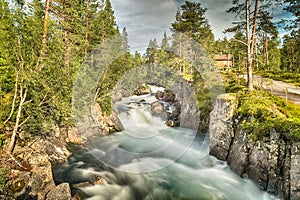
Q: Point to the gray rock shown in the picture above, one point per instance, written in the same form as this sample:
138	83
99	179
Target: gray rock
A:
238	154
220	127
295	172
60	192
272	162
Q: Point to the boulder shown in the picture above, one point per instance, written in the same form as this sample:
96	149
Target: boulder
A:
159	95
157	108
143	89
60	192
74	137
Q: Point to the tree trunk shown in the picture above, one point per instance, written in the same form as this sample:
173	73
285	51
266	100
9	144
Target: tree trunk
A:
249	56
267	52
12	141
250	42
40	64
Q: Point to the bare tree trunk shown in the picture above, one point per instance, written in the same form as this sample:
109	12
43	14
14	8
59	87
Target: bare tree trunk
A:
250	42
12	141
14	100
267	51
40	64
249	56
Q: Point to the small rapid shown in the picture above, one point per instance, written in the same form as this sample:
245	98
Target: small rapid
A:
149	160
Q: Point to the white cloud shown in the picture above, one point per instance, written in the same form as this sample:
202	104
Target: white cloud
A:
148	19
144	19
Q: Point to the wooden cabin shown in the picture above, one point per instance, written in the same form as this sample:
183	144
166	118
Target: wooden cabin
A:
224	61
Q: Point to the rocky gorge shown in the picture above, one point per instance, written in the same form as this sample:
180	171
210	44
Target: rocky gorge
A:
273	161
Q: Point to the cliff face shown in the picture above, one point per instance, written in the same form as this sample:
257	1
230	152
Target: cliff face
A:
272	162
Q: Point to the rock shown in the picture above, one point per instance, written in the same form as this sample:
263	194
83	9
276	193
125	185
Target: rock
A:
74	137
167	96
171	123
159	95
238	154
295	172
143	89
116	96
220	127
60	192
273	161
157	108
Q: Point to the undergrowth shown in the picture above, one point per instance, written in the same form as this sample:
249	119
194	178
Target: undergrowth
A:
260	111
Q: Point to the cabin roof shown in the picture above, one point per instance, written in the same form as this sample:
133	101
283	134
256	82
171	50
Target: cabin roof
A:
223	57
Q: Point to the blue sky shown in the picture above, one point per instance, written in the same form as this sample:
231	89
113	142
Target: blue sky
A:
148	19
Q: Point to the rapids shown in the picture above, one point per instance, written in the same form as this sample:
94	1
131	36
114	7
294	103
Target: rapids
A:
149	160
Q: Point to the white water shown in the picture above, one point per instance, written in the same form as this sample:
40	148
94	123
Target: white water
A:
149	160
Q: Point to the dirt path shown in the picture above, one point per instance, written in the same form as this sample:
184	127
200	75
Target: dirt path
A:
278	88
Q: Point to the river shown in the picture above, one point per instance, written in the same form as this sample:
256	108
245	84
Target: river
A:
149	160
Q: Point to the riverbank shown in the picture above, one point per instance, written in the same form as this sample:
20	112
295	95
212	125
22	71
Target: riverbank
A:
259	140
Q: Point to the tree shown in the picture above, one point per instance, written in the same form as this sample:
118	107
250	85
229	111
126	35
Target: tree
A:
290	51
238	48
41	50
125	44
293	7
165	42
248	12
191	20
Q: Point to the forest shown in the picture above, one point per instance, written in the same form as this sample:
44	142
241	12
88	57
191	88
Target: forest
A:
43	44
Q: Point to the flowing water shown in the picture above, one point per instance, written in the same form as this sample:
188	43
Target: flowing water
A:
149	160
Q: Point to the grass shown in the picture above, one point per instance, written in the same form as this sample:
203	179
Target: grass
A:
288	77
260	111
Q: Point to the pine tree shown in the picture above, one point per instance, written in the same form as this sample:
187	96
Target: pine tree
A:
191	20
125	44
248	12
165	42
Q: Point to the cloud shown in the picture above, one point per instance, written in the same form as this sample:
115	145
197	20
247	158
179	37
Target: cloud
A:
148	19
144	19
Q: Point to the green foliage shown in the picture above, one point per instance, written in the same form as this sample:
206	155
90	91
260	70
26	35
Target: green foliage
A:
191	20
233	83
110	77
74	29
288	77
260	112
3	177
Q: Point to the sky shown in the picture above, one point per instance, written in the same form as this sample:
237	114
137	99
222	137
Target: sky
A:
148	19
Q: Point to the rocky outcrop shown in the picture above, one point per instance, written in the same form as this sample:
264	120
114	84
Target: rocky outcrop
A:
220	126
30	175
273	161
